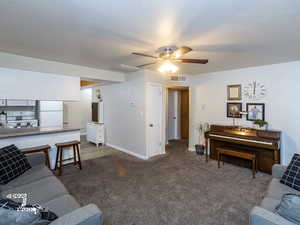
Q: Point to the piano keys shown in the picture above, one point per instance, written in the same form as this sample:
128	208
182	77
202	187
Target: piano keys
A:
264	143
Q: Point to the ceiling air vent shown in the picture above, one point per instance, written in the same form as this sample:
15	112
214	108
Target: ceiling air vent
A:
178	78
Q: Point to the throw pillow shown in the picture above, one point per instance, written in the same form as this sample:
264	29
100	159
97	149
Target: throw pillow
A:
291	176
13	163
289	208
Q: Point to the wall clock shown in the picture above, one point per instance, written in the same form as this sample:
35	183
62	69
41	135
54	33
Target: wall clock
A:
255	90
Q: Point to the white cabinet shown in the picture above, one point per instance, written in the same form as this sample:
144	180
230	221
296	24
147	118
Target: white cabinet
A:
17	103
95	133
2	102
20	102
31	103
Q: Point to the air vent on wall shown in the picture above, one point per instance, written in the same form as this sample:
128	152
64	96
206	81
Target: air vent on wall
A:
178	78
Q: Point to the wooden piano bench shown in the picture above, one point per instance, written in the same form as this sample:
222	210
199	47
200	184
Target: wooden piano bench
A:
239	154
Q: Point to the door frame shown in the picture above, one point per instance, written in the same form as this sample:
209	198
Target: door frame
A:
179	87
162	118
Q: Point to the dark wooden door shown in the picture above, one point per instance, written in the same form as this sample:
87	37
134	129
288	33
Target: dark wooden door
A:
184	114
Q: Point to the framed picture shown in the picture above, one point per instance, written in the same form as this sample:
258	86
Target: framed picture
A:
234	109
234	92
256	111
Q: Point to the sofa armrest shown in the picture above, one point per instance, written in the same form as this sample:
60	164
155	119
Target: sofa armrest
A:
278	170
261	216
37	158
86	215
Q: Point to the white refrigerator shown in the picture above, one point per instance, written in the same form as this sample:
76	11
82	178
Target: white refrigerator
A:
51	114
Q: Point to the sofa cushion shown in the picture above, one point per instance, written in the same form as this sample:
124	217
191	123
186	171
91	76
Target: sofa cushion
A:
291	176
13	163
40	191
62	205
34	174
289	208
276	189
269	203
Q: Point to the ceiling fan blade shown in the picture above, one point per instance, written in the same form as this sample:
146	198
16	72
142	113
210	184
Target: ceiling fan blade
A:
147	64
199	61
181	51
145	55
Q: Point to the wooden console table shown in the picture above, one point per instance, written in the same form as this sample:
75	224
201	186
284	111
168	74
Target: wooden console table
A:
265	144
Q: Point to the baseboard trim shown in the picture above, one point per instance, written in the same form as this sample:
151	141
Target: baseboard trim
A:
127	151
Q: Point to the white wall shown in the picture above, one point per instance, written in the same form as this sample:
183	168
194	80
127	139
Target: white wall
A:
39	65
124	114
86	108
157	77
209	97
20	84
78	114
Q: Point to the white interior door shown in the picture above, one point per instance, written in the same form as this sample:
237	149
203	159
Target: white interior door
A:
154	119
173	114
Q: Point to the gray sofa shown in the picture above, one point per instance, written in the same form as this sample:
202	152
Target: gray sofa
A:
44	188
263	214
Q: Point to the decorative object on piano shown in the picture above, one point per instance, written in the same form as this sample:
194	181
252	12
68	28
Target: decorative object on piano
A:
261	124
255	91
256	111
234	109
206	127
234	92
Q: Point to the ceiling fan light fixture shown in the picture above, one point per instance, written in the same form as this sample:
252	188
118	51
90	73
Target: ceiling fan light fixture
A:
168	67
177	55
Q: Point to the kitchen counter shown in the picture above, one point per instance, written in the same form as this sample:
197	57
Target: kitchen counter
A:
20	132
32	137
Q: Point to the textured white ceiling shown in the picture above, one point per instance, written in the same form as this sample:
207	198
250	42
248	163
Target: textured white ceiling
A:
103	33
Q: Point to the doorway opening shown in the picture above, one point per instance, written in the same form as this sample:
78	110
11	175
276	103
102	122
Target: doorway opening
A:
177	121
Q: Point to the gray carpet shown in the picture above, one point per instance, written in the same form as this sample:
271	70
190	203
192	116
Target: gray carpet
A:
179	188
90	151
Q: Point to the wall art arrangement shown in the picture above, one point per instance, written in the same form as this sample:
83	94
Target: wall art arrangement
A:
256	111
234	109
234	92
252	92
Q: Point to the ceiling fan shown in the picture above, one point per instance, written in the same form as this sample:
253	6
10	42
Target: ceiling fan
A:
170	54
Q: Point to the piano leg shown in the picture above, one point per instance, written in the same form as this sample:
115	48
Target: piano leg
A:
254	167
218	159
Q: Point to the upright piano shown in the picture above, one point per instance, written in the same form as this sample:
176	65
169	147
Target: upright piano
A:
264	143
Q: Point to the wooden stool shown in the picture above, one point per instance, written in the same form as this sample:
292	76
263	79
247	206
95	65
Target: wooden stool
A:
239	154
42	148
60	148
